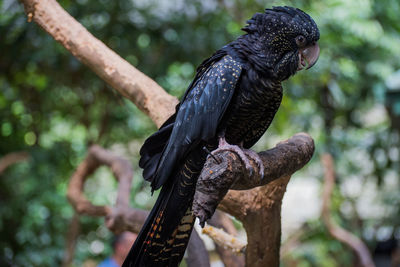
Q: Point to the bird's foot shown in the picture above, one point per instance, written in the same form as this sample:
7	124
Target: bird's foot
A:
236	149
254	156
244	155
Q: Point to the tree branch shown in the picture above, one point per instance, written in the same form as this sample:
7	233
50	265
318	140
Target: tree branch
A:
121	217
224	239
258	208
70	240
146	94
335	230
216	179
12	158
223	221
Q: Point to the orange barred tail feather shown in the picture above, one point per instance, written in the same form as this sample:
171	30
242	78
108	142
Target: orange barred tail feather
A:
159	243
166	232
174	248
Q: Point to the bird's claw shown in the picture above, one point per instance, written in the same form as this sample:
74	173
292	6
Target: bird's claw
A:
253	155
236	149
244	155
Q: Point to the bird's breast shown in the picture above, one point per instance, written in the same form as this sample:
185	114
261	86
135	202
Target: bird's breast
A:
251	111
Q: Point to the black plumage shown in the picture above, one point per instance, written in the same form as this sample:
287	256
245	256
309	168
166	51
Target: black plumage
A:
234	97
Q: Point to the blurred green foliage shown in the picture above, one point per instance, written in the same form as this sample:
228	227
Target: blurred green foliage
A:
54	107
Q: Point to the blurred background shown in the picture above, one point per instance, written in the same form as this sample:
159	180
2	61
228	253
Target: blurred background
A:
53	108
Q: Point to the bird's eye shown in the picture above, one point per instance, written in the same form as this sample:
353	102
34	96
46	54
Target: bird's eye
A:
300	40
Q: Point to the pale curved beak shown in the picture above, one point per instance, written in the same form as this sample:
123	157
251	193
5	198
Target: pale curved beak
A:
308	56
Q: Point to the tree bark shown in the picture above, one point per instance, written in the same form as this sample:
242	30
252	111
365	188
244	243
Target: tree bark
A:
230	173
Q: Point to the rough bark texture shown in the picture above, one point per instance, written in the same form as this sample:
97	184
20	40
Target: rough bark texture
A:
146	94
258	208
337	232
216	179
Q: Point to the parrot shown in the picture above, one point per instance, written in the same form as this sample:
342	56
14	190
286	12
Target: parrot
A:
229	105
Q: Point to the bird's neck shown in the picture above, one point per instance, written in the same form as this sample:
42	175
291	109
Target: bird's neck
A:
254	56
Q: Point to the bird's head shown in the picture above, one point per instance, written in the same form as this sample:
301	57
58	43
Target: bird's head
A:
282	41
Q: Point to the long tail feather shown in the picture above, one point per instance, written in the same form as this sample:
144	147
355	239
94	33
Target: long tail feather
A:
166	232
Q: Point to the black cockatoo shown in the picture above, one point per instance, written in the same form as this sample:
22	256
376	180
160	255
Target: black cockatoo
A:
229	105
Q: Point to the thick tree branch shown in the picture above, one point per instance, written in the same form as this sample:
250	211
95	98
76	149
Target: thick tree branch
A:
146	94
258	208
216	179
335	230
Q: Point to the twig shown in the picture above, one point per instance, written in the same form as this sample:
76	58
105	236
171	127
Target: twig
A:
293	241
12	158
222	220
96	157
71	238
120	217
224	239
334	229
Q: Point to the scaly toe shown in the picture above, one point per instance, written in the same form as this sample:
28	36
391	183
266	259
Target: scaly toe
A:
236	149
253	155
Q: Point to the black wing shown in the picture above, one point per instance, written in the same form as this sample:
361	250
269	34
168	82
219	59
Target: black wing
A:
199	115
154	146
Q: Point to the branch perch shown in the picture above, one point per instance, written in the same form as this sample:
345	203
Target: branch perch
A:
258	208
334	229
216	179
